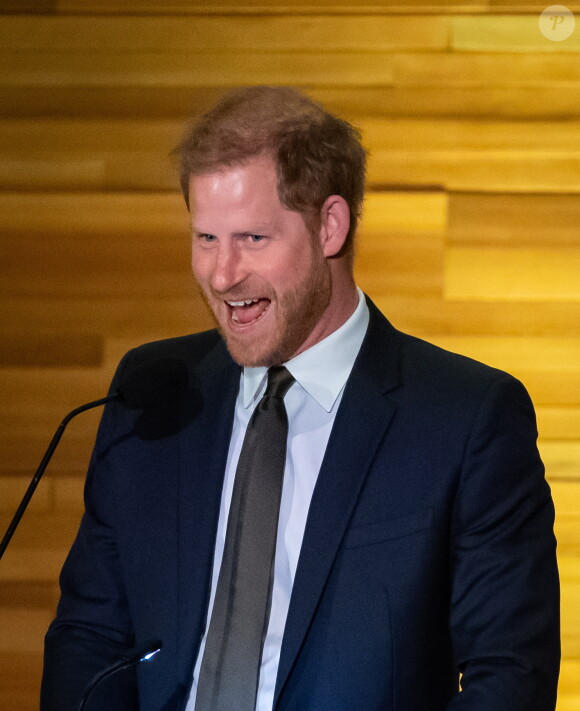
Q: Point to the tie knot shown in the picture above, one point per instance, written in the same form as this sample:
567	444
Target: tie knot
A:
279	382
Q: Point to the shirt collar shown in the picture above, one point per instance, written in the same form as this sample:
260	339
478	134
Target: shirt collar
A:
311	367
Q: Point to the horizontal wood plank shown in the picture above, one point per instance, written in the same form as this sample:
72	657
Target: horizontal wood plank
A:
540	354
569	683
43	350
566	495
570	609
562	459
497	171
140	317
513	102
182	69
35	7
32	594
316	69
513	219
39	564
104	214
478	69
21	457
401	263
58	389
516	33
12	489
22	671
56	530
23	629
559	422
461	136
205	33
269	6
181	7
508	171
511	273
409	211
134	154
428	314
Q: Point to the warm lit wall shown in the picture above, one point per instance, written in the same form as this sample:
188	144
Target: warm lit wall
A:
471	235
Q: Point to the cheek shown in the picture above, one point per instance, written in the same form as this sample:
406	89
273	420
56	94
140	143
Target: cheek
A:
290	268
199	265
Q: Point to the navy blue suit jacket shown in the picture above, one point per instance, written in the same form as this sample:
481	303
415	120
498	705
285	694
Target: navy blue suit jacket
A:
428	549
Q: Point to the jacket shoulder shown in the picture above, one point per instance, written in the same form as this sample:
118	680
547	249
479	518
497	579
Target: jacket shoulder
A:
429	369
201	353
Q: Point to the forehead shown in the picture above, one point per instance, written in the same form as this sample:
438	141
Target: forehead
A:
249	186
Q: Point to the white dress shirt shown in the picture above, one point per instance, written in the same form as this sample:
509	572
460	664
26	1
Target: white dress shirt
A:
311	402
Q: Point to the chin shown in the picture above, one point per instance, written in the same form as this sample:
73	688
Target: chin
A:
251	355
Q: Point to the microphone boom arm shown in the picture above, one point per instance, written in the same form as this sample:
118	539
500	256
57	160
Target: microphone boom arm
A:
136	656
44	463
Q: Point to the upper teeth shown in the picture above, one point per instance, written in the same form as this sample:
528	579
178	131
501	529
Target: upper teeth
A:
247	302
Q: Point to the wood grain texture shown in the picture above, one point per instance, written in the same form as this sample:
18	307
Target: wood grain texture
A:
50	350
210	34
469	237
559	423
570	610
534	274
546	100
174	69
514	220
121	154
287	7
515	33
34	7
562	459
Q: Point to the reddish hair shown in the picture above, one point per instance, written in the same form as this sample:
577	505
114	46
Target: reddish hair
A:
316	154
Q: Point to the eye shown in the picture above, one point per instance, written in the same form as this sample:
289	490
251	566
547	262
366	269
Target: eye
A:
256	238
207	237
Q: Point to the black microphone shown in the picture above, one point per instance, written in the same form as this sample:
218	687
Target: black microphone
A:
147	386
139	654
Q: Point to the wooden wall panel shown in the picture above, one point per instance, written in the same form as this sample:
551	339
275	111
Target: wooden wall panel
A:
120	154
173	69
570	579
204	34
470	236
270	6
507	274
505	34
513	102
514	220
559	422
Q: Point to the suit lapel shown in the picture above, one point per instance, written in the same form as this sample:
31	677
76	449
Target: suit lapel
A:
361	422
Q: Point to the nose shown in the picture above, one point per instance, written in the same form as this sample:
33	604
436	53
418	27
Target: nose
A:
227	269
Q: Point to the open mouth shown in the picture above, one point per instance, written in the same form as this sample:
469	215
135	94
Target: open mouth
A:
247	311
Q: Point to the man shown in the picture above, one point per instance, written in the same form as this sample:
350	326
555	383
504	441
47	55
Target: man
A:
413	530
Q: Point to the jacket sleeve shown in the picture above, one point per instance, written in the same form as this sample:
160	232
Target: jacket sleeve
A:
505	590
93	625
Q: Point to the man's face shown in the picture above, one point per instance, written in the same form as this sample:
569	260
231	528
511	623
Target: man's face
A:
260	269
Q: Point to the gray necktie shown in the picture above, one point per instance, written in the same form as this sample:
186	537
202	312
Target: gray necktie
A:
228	678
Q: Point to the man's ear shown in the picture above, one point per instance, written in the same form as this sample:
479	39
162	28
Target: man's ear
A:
334	225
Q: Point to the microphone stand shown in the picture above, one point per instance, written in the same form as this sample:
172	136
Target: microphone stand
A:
44	463
140	654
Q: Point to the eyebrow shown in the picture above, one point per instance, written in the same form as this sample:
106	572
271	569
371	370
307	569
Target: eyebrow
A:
249	233
262	230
